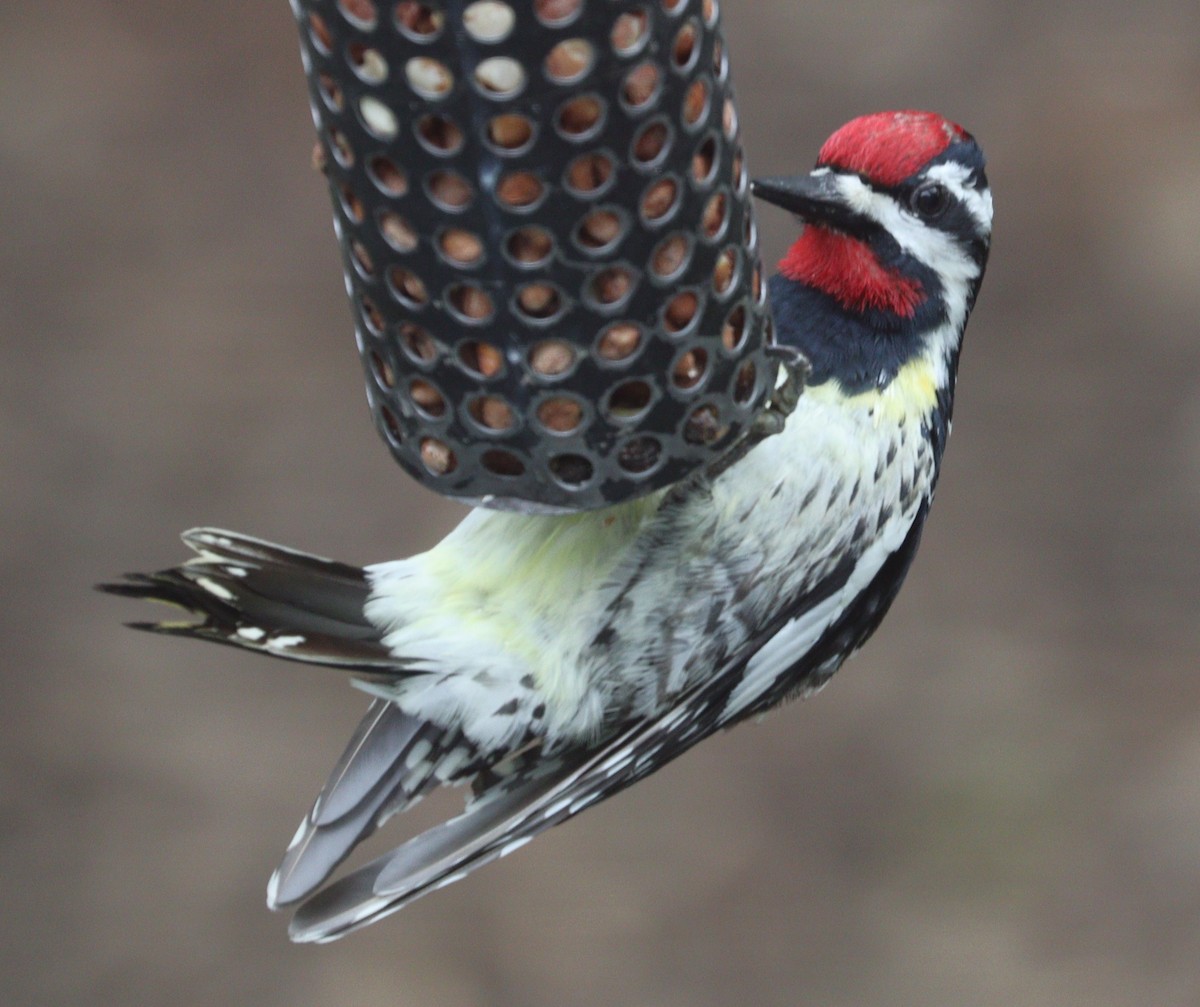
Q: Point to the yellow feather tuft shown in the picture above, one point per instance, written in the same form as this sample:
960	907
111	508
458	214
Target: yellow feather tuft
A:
912	393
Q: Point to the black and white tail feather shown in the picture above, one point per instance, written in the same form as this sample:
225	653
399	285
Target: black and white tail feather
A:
266	598
276	601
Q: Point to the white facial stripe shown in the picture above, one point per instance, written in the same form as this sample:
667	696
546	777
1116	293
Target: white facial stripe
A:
954	177
932	247
858	195
883	208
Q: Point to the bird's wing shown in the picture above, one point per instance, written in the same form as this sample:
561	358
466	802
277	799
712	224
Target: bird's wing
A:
545	792
503	818
392	760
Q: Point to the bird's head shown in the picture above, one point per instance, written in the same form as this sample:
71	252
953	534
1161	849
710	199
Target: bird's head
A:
898	218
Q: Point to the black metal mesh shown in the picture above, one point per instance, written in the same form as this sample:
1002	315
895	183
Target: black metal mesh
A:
548	239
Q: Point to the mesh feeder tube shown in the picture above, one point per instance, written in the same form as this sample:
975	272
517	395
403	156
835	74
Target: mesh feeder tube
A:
547	239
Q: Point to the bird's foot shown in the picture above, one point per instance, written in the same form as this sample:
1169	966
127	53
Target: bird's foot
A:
782	402
774	415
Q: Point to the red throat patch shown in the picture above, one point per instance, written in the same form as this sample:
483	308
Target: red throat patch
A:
847	270
888	147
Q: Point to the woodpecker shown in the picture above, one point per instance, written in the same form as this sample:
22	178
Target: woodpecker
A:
551	661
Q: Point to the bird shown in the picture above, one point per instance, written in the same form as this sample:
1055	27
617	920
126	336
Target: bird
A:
546	662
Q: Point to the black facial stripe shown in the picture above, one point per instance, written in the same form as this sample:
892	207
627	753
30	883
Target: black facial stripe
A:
856	225
956	220
967	155
960	223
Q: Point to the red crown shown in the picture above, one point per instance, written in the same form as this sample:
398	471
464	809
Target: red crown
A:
887	147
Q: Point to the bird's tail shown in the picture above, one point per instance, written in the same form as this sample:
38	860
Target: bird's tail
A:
247	593
274	600
251	594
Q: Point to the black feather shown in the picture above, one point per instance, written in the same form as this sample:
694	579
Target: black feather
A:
256	596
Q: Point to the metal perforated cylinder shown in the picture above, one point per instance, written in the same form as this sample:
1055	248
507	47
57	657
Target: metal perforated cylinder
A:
547	236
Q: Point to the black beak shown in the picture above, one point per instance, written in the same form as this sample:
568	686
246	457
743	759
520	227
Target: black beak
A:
815	199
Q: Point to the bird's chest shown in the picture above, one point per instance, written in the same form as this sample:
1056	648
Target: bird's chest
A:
844	473
807	515
847	531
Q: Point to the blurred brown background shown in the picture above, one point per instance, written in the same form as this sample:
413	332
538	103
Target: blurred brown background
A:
997	803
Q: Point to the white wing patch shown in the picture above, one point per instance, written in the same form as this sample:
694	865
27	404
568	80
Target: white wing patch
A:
799	635
781	652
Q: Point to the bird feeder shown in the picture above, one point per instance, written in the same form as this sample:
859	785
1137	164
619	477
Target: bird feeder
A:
547	238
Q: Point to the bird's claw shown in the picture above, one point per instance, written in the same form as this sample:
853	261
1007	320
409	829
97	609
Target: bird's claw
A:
774	415
786	394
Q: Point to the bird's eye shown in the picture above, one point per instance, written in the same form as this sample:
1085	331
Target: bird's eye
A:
930	200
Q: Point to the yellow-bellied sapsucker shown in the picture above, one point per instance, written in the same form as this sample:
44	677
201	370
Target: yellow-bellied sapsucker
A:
552	661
